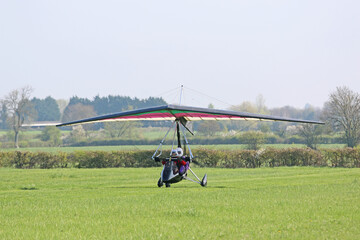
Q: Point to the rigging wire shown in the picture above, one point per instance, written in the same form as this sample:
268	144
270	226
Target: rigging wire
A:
213	98
175	94
167	92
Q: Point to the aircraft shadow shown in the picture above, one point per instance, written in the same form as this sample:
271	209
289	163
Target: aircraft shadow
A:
177	187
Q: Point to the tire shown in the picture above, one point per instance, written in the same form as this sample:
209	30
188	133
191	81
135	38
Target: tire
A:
204	181
160	183
167	184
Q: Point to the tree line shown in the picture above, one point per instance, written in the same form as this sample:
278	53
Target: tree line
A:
18	107
341	113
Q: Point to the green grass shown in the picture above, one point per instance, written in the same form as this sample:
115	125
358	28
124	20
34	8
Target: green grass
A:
30	133
270	203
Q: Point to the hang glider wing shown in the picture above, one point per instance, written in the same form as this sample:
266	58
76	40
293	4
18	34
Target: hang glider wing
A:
173	112
40	124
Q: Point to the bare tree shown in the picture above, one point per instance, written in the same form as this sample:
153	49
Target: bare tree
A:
260	104
120	129
343	112
3	115
311	133
79	111
209	128
62	103
19	108
244	125
253	139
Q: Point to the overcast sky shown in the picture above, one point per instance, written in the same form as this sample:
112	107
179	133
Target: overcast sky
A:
292	52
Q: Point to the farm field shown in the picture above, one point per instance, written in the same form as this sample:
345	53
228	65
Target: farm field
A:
165	147
125	203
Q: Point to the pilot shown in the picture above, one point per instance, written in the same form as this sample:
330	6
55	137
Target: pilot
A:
181	160
174	153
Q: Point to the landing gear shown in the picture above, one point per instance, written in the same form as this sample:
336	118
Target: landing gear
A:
160	183
204	181
171	172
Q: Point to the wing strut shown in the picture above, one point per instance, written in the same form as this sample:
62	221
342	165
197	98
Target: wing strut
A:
183	122
178	134
162	142
187	145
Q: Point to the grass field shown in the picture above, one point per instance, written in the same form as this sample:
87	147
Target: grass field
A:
125	203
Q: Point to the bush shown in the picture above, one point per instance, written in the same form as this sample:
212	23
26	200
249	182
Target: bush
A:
347	157
52	135
6	159
103	159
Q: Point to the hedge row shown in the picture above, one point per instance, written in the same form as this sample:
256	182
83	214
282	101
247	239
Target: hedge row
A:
346	157
79	159
201	140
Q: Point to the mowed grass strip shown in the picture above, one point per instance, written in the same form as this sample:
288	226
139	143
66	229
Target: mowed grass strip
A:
125	203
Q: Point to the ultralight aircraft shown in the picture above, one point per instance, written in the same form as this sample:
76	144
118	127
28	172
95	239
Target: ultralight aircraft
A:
177	165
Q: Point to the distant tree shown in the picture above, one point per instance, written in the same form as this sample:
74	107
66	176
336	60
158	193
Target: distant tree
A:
3	116
120	129
77	134
52	135
342	111
62	103
77	112
209	128
264	127
19	108
245	107
252	139
311	134
47	109
244	125
76	100
279	128
311	113
102	105
260	105
112	104
287	111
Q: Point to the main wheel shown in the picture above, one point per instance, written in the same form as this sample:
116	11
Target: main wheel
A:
160	183
167	184
204	181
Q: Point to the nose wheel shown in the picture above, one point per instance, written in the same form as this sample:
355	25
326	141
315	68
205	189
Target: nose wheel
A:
160	183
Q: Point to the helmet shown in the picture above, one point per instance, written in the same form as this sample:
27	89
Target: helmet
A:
179	152
173	152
